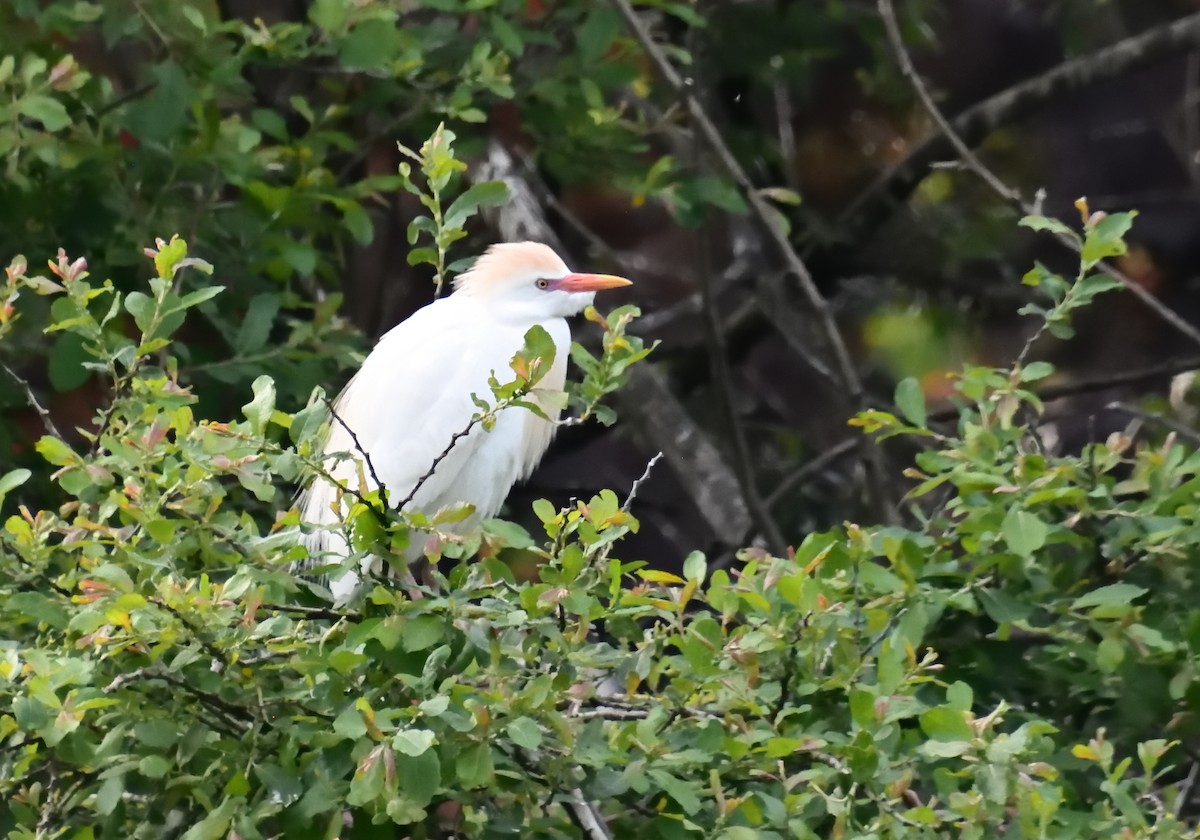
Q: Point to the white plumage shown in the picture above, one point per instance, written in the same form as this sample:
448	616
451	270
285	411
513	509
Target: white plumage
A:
413	393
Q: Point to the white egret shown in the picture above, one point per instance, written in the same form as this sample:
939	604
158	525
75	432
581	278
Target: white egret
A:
413	394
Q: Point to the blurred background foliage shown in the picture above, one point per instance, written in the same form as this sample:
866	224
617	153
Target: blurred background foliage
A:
265	132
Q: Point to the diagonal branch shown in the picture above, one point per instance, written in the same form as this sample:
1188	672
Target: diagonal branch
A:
763	213
32	399
874	205
888	13
759	207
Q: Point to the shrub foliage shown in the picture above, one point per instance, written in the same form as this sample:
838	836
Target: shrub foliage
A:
994	670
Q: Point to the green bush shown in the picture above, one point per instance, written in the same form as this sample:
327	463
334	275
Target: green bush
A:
994	670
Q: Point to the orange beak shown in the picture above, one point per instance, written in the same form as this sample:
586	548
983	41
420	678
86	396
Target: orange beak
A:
590	282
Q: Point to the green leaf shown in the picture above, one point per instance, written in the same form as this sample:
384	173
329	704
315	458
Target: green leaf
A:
1107	238
216	824
488	193
525	733
1024	532
695	567
258	411
142	307
350	724
154	766
413	742
307	421
422	633
960	696
66	362
1040	223
596	34
1002	607
56	452
1034	371
473	767
193	299
1110	653
370	45
370	777
534	360
51	113
684	793
330	15
256	325
910	399
358	222
1115	594
12	480
158	734
420	777
511	534
944	723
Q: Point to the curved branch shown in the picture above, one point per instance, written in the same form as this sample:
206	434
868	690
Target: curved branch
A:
888	14
763	213
878	202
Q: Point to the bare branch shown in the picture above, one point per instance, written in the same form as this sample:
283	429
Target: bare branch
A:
763	213
878	201
454	439
313	612
699	465
637	484
588	816
888	13
739	446
1182	430
810	468
47	421
358	447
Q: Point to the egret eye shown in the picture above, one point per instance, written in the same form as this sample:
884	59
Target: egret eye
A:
543	283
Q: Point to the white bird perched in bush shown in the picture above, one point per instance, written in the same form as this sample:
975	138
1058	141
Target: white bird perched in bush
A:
413	394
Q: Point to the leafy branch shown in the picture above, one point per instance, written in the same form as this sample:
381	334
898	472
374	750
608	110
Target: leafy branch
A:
443	227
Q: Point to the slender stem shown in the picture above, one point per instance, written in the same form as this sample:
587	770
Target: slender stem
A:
888	13
763	213
32	399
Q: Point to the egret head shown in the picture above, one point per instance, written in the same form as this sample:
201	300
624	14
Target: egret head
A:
527	279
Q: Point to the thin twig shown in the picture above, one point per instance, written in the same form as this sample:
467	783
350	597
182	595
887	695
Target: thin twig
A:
358	447
811	468
743	464
1048	393
1184	431
313	612
874	205
234	716
637	484
47	421
119	388
739	446
888	13
455	438
763	214
1185	789
758	205
610	713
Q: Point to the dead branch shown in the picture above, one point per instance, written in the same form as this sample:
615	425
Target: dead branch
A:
31	398
879	201
696	461
888	13
763	213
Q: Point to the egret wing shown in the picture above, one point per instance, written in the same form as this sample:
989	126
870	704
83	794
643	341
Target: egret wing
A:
407	403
